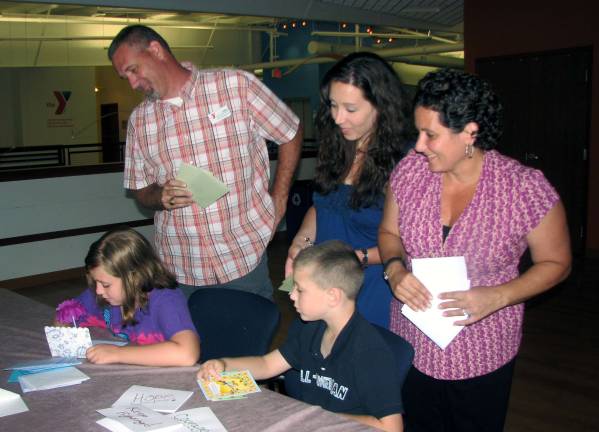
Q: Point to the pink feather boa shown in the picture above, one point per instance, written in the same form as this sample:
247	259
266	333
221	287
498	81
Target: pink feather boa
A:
69	310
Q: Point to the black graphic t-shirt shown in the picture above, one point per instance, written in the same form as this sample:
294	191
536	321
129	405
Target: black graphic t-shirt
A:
360	376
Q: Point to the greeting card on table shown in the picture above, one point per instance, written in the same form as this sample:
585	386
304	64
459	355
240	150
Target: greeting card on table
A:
45	364
137	419
156	399
199	420
206	188
11	403
230	385
68	341
36	366
52	379
438	275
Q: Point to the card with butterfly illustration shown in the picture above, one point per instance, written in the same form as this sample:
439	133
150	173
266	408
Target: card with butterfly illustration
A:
230	385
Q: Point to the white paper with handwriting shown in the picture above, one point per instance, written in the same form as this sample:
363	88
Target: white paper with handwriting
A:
438	275
199	420
137	419
157	399
68	341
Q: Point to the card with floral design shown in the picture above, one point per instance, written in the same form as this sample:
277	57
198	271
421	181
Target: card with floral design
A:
230	385
68	341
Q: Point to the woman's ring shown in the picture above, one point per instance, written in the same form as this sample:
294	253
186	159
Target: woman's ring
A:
466	314
172	201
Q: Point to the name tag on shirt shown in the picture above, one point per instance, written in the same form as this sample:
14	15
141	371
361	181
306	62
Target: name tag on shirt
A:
219	114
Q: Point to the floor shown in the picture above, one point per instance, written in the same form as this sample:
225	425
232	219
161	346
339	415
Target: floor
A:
556	382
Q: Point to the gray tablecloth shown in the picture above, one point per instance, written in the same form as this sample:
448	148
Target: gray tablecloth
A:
74	408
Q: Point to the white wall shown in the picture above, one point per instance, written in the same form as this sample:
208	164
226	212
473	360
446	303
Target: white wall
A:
62	203
28	117
31	70
41	124
56	204
49	256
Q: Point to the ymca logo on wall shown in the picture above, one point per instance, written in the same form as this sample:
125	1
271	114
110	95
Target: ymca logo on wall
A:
62	97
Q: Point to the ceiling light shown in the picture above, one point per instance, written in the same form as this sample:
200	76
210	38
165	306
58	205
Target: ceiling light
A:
164	16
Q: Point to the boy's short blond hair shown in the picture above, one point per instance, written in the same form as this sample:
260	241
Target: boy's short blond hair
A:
334	265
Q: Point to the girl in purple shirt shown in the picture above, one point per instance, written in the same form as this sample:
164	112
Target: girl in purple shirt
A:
135	297
455	196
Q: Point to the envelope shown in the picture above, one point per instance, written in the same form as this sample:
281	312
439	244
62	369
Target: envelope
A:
206	188
11	403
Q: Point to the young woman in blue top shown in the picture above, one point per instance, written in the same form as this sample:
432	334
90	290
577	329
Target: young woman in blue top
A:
364	126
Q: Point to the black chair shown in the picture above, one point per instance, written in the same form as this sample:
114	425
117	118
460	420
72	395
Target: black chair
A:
403	351
232	323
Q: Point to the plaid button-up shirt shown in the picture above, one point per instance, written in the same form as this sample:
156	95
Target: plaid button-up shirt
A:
224	241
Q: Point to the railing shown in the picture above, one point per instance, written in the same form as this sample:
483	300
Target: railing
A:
25	163
21	158
16	158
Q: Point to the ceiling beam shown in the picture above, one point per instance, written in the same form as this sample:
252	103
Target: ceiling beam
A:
182	24
326	53
311	9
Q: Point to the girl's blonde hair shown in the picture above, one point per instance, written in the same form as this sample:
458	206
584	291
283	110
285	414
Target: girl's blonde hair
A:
127	255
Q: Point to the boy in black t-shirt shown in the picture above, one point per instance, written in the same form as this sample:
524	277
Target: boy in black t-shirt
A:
344	363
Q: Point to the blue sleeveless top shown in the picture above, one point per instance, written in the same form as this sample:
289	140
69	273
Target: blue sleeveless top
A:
335	220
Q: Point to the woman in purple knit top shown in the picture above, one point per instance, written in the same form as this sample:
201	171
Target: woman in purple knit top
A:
455	196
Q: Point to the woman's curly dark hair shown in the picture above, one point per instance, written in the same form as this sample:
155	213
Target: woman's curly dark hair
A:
461	98
393	132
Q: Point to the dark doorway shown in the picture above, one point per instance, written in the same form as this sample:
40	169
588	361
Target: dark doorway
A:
546	99
109	123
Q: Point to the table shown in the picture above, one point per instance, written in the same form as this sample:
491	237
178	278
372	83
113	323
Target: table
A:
74	408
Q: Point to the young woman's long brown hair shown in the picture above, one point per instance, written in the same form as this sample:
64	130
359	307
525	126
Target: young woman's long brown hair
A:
393	134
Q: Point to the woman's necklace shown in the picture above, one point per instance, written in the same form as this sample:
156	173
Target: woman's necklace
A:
359	155
355	167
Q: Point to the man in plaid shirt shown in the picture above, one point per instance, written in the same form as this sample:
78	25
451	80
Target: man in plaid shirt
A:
217	120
